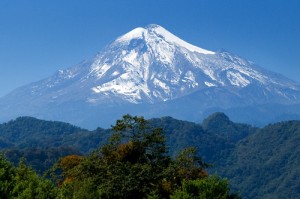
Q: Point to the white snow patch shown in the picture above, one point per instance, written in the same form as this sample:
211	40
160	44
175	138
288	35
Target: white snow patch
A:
209	72
174	39
237	79
162	85
127	85
190	77
175	79
209	84
100	70
132	58
162	50
134	34
115	73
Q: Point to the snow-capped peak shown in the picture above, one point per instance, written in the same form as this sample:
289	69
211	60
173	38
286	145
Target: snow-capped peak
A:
151	64
134	34
142	66
158	31
174	39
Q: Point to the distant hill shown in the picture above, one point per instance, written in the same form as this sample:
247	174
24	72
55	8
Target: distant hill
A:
29	132
216	136
267	163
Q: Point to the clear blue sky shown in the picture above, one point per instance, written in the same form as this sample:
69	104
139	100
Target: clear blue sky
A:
38	37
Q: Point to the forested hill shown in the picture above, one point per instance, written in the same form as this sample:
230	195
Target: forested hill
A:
28	132
267	163
215	137
259	162
42	142
218	135
31	132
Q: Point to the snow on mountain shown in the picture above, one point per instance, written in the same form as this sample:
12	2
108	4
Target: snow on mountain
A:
150	34
150	65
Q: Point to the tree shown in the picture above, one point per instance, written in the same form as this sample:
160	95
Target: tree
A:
186	166
27	184
212	187
133	164
7	173
130	165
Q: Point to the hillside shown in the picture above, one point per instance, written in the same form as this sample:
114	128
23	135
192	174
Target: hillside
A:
266	164
20	136
29	132
259	162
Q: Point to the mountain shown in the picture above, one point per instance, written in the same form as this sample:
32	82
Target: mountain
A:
151	72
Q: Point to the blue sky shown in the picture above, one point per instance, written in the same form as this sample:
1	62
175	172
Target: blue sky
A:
38	37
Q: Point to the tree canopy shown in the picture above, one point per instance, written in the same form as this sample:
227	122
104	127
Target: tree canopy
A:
134	163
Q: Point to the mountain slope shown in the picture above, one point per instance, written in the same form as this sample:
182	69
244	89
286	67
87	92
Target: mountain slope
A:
266	164
28	132
149	68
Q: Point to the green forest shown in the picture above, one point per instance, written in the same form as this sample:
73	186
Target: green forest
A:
134	163
66	161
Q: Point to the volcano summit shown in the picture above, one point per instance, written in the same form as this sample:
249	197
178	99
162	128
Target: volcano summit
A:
150	71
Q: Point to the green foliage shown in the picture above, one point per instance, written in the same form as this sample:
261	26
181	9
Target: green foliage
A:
43	142
28	132
217	131
219	124
27	184
130	165
266	164
179	134
38	158
23	182
133	164
189	164
212	187
7	173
